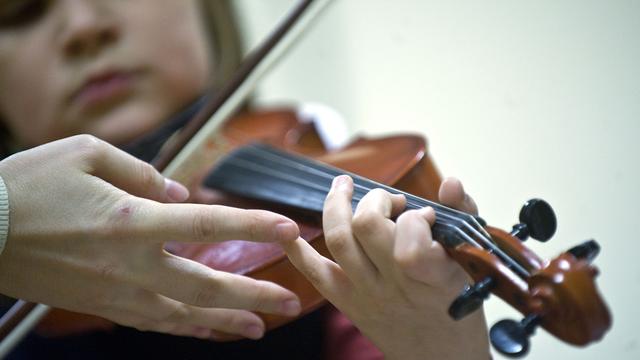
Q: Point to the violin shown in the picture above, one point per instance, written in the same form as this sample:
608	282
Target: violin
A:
294	178
275	162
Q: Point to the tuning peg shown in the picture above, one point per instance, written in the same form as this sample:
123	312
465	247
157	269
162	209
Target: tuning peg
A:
587	250
511	338
471	298
537	220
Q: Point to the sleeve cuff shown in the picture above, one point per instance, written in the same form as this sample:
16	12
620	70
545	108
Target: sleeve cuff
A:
4	214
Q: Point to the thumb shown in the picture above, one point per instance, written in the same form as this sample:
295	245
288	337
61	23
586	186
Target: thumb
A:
135	176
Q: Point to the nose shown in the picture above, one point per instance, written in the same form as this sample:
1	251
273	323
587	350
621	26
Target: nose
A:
87	28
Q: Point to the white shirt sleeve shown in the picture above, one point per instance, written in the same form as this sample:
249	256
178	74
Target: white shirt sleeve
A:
4	215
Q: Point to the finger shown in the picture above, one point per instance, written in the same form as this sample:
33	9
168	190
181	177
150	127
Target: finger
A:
141	323
325	275
398	204
336	222
174	315
417	256
193	283
374	230
150	312
132	175
208	223
452	194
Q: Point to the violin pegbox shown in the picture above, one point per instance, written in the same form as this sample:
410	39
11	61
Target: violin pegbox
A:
559	295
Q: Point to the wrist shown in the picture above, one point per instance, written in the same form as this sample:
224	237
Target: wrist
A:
442	338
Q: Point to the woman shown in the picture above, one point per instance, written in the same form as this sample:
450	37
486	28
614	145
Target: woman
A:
117	70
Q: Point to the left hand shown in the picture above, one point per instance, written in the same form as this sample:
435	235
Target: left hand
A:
390	278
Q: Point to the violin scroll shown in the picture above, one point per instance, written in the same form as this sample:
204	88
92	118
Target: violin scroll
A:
559	295
564	300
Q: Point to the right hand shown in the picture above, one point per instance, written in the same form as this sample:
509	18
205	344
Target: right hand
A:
87	227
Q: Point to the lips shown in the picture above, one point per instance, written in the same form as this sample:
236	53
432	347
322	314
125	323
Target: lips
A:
103	88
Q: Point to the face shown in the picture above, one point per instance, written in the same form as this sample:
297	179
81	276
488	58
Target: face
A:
111	68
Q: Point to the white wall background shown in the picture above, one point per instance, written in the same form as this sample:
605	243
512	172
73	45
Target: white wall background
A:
519	99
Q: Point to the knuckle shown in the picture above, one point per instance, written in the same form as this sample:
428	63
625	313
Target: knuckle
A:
87	141
407	260
176	315
168	328
89	147
252	226
144	325
338	238
207	296
313	275
378	195
228	323
331	197
203	227
260	297
106	297
148	177
409	216
116	220
364	221
416	220
108	271
330	205
378	192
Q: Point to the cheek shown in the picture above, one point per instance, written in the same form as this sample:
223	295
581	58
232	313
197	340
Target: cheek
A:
26	103
169	45
178	56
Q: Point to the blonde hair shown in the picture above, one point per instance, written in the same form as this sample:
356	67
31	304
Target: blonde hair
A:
222	30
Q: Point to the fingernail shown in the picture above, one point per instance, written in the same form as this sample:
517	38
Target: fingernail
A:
291	307
175	191
287	230
253	332
340	182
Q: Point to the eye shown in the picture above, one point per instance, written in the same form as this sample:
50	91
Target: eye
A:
19	13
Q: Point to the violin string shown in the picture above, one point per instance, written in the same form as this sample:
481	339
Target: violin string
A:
360	188
244	164
322	170
447	219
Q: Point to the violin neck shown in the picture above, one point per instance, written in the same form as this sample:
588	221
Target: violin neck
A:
261	172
